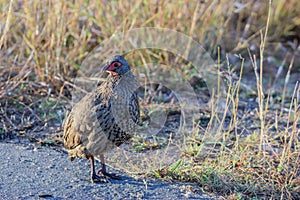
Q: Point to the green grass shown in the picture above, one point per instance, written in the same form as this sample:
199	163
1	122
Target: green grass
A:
254	155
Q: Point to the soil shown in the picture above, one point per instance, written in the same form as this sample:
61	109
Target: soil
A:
32	172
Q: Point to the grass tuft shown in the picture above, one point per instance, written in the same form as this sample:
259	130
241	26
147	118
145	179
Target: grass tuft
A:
255	150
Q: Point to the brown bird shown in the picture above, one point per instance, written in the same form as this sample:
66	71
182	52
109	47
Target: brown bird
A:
104	118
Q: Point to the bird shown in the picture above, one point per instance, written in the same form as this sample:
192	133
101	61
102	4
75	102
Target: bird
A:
103	119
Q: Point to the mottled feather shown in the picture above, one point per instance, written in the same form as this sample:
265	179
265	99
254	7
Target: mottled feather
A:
104	118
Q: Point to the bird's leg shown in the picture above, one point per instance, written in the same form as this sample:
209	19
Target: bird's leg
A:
94	176
103	171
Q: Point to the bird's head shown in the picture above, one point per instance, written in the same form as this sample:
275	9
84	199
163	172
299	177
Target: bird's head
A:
116	66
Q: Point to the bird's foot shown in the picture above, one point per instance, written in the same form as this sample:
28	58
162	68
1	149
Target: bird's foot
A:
110	175
96	178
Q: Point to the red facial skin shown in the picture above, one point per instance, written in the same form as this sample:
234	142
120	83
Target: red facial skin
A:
112	67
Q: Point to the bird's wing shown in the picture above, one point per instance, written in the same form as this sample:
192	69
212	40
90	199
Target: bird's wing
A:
79	122
134	108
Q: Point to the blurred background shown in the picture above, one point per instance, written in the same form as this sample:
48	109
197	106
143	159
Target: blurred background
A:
43	44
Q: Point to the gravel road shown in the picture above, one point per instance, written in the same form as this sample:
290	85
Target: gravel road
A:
28	172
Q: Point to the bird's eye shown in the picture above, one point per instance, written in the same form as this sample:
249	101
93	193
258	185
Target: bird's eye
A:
116	64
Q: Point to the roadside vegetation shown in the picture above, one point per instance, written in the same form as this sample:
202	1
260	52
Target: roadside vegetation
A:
255	151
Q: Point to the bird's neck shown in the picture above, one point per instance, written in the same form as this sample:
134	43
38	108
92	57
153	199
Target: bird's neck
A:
113	80
119	87
122	79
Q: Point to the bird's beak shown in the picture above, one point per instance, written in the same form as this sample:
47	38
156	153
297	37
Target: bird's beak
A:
105	68
108	68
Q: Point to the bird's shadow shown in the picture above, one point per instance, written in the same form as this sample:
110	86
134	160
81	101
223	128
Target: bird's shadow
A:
146	184
82	176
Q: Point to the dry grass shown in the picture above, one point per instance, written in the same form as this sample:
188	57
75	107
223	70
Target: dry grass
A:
42	44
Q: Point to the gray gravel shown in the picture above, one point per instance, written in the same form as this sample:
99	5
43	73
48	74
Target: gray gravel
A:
28	172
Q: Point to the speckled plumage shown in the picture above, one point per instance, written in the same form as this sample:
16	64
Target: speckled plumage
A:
103	119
